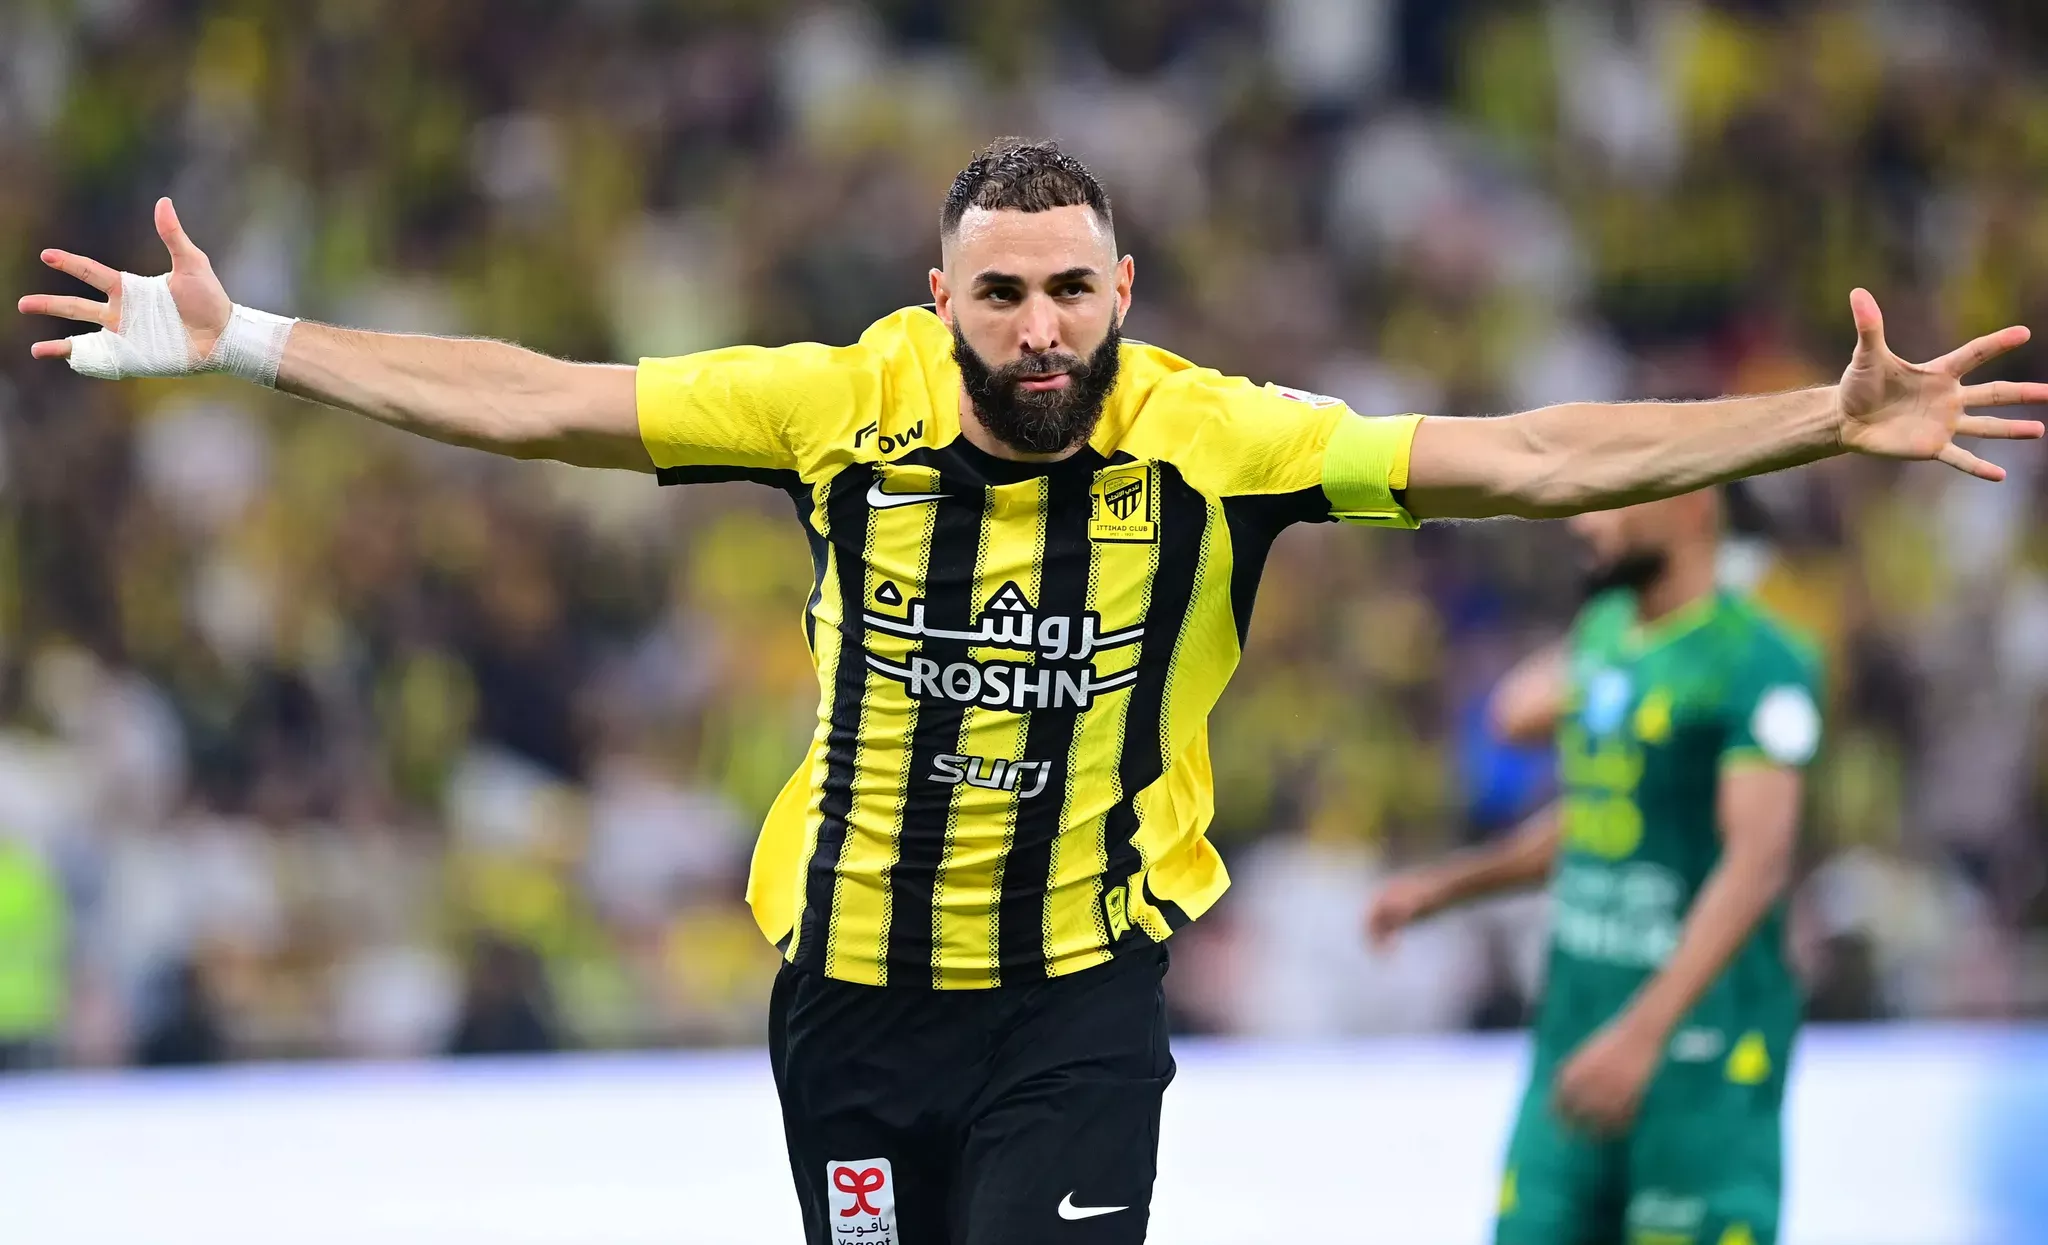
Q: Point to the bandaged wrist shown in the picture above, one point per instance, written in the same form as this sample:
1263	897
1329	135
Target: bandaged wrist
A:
251	346
152	340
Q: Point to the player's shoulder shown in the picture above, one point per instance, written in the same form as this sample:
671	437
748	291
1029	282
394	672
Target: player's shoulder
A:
1767	641
1227	434
1178	394
877	389
1604	616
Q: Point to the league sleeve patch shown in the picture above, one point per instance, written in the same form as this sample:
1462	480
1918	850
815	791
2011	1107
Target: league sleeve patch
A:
1786	725
1303	395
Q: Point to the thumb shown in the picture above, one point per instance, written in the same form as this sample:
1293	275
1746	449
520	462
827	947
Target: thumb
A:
184	255
1869	321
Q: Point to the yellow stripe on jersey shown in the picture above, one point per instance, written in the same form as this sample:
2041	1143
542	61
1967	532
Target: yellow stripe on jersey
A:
1009	779
1120	578
998	777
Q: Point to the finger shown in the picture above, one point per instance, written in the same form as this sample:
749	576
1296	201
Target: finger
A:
59	349
1991	427
1969	464
91	271
1869	320
184	254
1968	358
63	307
2005	393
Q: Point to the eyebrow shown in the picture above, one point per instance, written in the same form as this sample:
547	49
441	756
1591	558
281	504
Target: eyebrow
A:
1008	278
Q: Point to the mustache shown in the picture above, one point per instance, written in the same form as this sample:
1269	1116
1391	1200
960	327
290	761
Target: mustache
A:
1040	421
1035	365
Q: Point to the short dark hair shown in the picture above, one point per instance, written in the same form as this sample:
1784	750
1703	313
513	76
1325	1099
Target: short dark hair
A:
1022	175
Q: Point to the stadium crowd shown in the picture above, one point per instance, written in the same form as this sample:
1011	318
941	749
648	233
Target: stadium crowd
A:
319	740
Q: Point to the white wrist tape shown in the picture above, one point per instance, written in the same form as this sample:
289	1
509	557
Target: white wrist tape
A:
152	341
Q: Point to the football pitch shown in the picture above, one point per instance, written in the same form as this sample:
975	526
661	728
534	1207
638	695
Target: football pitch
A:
1920	1136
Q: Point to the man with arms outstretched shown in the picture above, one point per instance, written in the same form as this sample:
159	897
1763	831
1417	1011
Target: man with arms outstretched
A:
1684	718
1036	547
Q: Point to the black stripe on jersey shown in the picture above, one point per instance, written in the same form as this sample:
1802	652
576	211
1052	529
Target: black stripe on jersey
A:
773	477
1256	520
921	837
821	551
1049	736
1176	916
846	526
1184	541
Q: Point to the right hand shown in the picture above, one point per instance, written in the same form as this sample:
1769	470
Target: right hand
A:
1401	901
203	305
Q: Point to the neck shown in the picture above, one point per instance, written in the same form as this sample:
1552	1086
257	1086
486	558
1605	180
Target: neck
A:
1688	576
987	442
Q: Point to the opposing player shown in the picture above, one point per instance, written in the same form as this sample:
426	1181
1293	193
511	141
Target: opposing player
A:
1684	717
1036	547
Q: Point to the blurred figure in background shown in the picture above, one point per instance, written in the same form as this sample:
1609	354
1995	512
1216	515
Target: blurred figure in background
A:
33	957
182	1021
1685	719
507	1007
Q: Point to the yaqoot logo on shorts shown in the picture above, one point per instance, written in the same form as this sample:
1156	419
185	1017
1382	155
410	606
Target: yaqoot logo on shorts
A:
1008	621
1124	505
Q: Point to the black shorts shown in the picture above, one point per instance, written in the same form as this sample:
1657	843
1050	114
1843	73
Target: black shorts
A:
1020	1115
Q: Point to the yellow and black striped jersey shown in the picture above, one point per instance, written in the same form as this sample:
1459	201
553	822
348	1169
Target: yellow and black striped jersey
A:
1010	777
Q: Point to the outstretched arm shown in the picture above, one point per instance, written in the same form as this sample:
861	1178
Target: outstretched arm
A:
1563	460
487	395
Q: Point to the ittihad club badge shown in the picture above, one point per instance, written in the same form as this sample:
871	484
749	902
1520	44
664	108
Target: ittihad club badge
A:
1124	504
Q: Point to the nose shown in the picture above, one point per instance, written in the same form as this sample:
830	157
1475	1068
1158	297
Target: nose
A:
1039	327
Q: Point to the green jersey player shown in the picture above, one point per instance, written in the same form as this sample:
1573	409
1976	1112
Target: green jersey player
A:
1683	718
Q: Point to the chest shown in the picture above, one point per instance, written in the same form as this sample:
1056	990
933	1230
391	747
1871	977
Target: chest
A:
987	556
1036	593
1640	718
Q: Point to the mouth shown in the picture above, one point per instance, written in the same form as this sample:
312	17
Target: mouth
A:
1042	384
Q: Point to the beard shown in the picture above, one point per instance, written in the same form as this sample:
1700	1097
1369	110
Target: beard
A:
1634	570
1040	421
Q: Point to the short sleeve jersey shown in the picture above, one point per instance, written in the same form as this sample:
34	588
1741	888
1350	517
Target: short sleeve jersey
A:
1656	714
1009	778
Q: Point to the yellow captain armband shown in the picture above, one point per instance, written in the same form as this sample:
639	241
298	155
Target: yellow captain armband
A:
1364	465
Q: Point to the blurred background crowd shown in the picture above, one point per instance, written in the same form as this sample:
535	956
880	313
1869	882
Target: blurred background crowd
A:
320	740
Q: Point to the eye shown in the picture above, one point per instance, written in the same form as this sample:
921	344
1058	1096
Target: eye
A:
999	295
1073	289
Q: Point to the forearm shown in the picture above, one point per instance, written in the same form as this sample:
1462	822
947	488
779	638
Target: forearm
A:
477	393
1563	460
1520	861
1736	896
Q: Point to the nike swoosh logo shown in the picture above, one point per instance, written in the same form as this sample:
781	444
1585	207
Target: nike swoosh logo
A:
1070	1211
883	501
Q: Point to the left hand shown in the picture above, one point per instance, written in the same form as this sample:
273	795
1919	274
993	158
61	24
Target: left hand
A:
1602	1084
1895	409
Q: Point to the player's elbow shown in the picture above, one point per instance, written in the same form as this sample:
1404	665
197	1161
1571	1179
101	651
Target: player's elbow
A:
585	415
1536	478
1548	483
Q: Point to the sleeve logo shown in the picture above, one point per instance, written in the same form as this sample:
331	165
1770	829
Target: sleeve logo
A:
1786	725
1303	395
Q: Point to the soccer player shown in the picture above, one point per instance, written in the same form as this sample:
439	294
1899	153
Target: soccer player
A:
1036	547
1683	718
